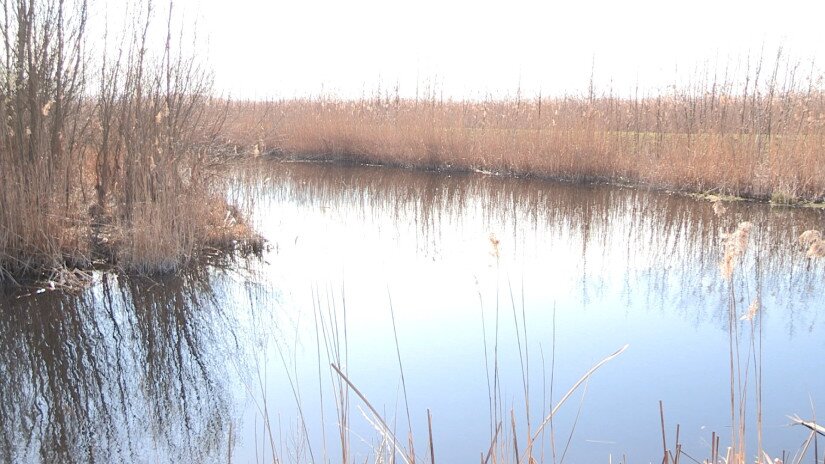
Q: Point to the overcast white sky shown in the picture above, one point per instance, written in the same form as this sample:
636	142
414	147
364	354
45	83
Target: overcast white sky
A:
261	48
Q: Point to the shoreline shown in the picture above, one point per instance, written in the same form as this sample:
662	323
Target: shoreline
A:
709	195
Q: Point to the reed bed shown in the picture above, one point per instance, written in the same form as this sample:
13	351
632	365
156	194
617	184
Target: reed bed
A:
107	156
757	133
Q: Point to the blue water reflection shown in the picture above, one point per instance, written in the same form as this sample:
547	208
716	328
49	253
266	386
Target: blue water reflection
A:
496	294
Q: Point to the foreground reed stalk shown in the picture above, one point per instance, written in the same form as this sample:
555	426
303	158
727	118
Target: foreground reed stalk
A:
331	344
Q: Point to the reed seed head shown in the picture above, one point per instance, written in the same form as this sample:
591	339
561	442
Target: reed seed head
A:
719	209
753	309
47	107
809	237
817	249
494	243
735	245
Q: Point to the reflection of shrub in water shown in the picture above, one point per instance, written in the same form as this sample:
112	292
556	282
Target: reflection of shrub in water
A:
124	371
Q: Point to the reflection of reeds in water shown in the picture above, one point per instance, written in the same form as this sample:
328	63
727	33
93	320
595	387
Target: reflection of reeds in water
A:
674	229
126	371
744	327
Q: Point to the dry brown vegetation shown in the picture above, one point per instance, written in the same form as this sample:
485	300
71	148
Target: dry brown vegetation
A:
758	135
104	160
110	156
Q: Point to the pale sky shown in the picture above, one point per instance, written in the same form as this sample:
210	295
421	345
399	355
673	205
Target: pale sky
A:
262	49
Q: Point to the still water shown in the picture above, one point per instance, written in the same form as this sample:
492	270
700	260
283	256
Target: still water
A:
476	298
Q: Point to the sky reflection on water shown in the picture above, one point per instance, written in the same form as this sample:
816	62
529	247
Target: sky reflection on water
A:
617	265
190	366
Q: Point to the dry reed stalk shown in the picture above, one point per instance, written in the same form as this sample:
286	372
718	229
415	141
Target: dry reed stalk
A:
575	386
734	246
430	435
381	424
515	435
664	435
524	361
403	379
486	457
336	349
796	420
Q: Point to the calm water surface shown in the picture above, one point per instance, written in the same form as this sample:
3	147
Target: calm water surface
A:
489	291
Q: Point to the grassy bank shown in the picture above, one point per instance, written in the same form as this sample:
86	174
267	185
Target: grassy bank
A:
759	134
107	152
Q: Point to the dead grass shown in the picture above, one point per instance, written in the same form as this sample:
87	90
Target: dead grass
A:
105	161
758	135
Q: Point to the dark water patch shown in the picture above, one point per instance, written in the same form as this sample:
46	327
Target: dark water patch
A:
129	370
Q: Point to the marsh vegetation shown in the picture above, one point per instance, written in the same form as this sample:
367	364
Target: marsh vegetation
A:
113	147
458	280
436	307
108	157
753	128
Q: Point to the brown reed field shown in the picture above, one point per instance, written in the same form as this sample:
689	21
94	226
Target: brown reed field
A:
757	133
104	159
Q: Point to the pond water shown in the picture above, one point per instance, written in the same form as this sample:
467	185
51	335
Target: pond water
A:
478	299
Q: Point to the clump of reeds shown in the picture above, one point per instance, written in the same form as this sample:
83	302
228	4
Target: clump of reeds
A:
734	247
331	341
104	160
40	143
746	355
